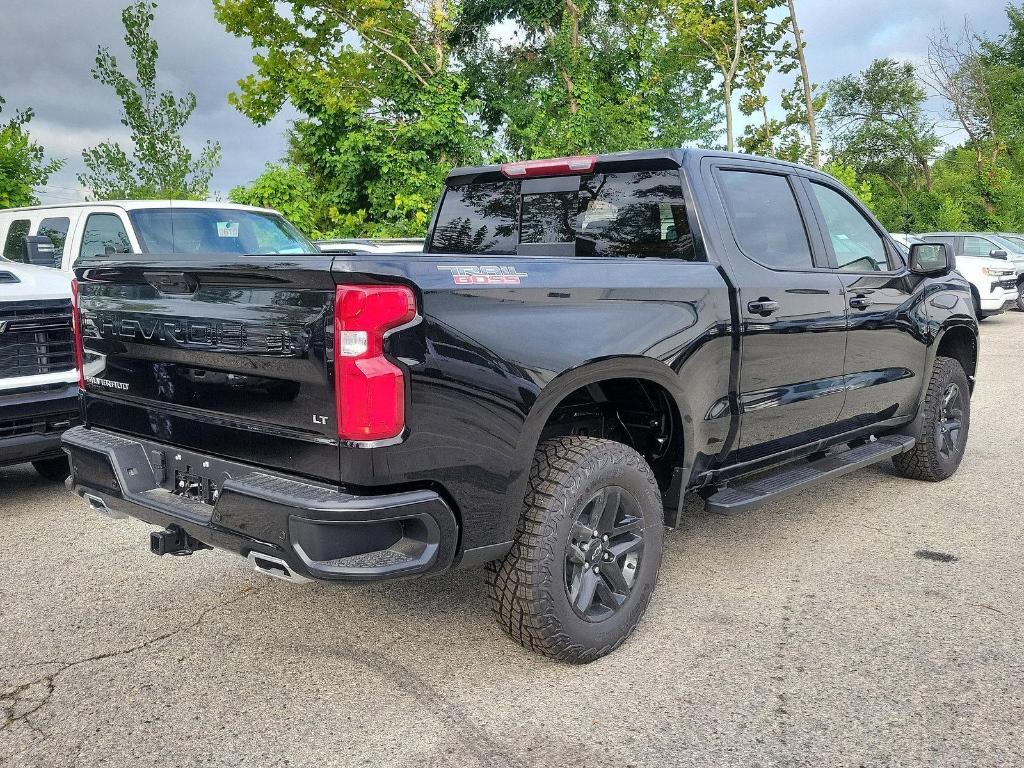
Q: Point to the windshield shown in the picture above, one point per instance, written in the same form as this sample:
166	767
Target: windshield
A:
216	230
1007	243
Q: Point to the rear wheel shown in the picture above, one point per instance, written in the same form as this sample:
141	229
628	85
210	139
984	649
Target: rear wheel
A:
56	469
945	424
586	554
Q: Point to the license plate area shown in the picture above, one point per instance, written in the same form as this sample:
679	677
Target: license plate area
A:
195	487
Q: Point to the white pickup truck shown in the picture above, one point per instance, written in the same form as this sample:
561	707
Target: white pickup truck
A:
59	234
38	380
38	375
994	282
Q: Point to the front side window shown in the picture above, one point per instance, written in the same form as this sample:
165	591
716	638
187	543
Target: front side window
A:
13	245
216	230
857	244
977	246
103	231
57	230
765	219
1006	243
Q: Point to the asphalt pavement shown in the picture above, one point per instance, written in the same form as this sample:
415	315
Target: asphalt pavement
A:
872	621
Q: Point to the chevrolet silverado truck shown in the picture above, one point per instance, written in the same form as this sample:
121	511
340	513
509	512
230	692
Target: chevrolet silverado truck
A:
38	375
581	342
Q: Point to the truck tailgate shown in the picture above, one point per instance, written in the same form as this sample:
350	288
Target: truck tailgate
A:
224	355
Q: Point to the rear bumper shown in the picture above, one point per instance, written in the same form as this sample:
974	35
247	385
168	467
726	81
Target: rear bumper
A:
31	423
317	531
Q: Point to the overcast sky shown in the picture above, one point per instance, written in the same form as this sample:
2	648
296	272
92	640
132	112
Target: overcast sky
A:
47	48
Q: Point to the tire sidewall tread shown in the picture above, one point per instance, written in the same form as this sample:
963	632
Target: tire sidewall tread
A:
527	589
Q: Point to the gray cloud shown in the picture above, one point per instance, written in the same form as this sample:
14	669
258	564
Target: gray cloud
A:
47	49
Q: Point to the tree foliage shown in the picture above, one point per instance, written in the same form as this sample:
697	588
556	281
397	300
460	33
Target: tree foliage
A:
159	165
582	76
393	93
385	114
23	163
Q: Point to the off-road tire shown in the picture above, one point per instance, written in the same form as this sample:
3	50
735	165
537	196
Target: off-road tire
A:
926	461
527	589
56	469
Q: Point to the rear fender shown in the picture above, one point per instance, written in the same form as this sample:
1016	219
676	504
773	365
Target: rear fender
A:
569	381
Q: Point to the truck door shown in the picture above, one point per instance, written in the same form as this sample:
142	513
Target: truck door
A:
792	310
885	356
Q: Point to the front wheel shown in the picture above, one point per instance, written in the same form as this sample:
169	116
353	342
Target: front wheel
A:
945	423
587	552
1020	297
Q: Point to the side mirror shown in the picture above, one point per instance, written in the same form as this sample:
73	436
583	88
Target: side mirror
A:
998	253
39	250
931	259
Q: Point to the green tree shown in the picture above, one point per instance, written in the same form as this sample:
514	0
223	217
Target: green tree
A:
385	110
159	165
23	163
878	124
287	190
736	40
583	76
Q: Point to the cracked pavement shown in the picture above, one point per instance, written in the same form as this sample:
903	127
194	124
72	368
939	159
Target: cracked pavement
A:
873	621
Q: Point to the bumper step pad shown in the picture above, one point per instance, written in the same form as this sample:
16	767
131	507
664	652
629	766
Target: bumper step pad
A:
796	477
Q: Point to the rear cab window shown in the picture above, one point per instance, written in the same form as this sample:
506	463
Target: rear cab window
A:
632	214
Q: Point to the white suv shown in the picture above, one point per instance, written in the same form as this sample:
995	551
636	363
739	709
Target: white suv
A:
993	281
38	375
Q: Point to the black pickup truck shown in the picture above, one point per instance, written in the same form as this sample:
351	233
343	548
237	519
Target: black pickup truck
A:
582	341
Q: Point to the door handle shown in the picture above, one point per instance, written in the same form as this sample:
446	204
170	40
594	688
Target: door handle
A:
763	307
860	302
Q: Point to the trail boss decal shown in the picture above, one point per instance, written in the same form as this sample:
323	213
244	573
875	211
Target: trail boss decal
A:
485	275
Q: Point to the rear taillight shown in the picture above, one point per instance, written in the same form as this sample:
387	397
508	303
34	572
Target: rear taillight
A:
76	325
558	166
369	388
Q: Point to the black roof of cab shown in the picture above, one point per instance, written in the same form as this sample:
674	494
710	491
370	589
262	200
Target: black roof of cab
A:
652	159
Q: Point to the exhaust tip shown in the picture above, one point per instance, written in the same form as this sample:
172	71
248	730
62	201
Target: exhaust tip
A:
275	568
99	505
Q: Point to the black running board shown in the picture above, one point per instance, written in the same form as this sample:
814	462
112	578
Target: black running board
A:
793	478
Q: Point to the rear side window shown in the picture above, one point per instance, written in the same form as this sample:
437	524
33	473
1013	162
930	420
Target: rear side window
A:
478	218
57	230
102	231
12	245
766	219
632	214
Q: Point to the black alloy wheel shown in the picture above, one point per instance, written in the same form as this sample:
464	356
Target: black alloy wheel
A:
949	425
603	556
